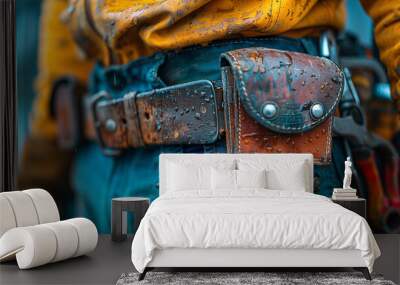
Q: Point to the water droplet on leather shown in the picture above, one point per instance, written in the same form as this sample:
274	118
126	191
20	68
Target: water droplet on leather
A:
335	79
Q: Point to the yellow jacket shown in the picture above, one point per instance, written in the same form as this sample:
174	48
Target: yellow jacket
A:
75	35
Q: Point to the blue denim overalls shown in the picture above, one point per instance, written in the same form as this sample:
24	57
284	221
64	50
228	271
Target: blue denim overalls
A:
98	178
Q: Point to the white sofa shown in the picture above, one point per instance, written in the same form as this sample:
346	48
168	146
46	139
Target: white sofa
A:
31	231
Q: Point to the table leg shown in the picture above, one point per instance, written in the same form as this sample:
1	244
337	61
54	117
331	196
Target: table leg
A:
118	222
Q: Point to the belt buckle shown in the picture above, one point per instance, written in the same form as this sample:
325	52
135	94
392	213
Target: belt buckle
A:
328	47
102	95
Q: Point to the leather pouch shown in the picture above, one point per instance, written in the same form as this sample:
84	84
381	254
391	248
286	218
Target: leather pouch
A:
279	102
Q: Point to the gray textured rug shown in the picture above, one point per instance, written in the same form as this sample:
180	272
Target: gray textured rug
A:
269	278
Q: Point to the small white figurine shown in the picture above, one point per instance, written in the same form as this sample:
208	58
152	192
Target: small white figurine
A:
347	174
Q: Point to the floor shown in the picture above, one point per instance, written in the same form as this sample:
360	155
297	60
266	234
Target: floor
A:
106	264
389	263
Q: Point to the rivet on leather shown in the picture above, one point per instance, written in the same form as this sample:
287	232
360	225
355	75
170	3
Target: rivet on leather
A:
317	111
270	110
111	125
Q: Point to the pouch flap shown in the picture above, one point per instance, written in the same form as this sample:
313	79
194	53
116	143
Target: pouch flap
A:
286	92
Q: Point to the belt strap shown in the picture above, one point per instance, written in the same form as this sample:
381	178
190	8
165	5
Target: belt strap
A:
189	113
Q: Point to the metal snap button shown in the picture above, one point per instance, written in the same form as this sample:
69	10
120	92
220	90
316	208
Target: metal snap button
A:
111	125
270	110
317	111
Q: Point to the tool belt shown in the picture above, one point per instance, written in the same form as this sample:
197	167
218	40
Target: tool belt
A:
268	101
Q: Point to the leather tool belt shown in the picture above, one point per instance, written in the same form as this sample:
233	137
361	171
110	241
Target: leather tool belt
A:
268	101
278	101
189	113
